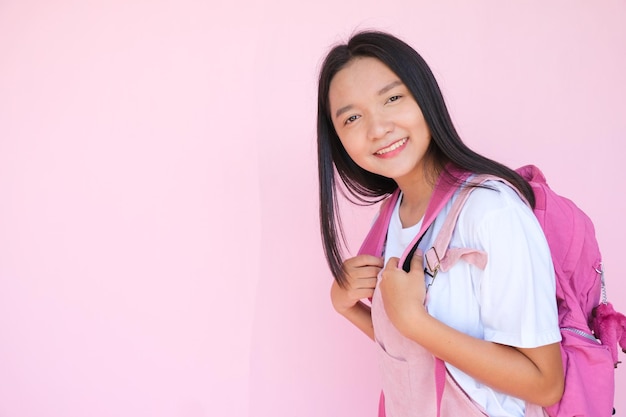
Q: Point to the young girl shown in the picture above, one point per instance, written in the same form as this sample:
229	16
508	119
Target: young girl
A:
383	126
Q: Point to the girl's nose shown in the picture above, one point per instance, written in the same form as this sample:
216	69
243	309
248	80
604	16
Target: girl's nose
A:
379	126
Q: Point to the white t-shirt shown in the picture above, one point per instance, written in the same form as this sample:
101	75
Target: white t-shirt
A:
511	302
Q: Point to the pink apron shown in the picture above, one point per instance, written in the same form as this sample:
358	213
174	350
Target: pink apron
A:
409	379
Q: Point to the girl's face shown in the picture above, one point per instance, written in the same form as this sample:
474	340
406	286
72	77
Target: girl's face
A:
378	122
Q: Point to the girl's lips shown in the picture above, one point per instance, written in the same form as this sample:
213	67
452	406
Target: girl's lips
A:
392	149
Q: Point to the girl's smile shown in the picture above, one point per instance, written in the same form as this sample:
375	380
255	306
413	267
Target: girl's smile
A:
388	152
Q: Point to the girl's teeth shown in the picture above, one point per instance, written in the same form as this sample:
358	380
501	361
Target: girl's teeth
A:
392	147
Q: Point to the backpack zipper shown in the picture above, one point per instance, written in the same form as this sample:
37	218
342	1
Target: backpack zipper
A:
581	333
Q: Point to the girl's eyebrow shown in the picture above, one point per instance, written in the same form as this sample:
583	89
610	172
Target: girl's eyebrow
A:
389	87
382	91
343	110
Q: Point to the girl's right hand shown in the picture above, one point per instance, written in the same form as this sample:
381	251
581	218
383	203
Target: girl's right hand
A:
361	274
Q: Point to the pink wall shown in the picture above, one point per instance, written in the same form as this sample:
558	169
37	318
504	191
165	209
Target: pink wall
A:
159	252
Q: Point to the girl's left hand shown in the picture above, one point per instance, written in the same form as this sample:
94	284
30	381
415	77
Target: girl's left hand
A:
403	293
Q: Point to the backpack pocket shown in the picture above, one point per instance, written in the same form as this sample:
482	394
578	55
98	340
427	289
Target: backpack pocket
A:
589	378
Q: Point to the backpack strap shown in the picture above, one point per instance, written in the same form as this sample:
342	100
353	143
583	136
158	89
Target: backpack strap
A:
375	239
440	257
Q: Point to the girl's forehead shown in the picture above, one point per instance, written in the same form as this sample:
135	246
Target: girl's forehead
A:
360	78
363	69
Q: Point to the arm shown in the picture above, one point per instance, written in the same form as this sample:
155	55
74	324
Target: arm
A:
361	275
534	374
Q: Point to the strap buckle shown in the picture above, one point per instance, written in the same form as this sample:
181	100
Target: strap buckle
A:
435	270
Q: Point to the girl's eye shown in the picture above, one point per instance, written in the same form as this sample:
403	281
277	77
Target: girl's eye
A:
351	119
393	98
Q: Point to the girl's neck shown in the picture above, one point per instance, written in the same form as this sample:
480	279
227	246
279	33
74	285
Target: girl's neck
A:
416	193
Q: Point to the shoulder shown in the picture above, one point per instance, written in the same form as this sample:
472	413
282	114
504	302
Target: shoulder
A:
495	199
497	214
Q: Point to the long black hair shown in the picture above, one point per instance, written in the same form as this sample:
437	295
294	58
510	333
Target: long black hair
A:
364	187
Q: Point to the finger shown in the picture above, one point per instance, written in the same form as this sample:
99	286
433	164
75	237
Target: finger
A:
392	263
365	283
369	260
365	272
361	261
364	293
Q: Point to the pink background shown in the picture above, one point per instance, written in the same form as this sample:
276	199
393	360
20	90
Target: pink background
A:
159	247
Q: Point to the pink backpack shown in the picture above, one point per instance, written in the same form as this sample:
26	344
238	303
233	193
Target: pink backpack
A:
590	328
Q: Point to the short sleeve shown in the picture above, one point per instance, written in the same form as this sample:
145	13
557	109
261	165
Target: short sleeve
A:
516	292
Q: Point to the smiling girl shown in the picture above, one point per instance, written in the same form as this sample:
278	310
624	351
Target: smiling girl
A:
383	127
